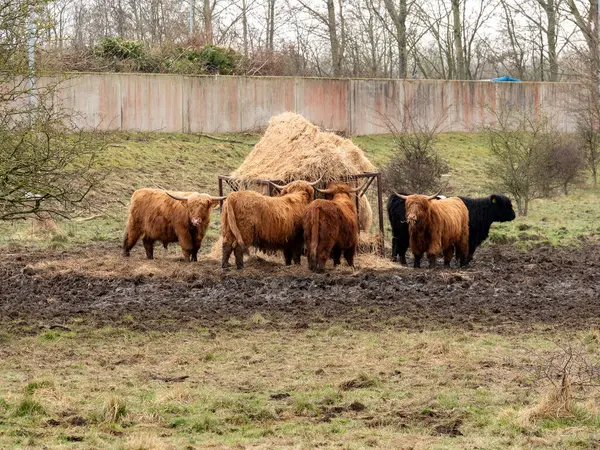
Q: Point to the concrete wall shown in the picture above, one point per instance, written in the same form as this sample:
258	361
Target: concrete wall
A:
174	103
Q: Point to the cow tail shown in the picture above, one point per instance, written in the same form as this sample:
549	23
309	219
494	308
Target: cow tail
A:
314	238
233	224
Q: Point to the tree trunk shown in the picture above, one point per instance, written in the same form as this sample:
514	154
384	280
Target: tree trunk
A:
333	39
399	19
270	25
552	57
208	30
458	44
566	188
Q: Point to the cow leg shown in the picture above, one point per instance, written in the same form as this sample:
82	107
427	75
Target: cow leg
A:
287	254
297	247
129	240
296	256
349	255
239	257
401	248
336	254
149	247
194	254
448	254
417	263
432	260
226	253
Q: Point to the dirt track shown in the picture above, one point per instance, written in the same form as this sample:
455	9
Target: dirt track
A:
505	290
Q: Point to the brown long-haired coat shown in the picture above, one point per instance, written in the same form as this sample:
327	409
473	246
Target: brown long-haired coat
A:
268	223
437	226
156	216
331	228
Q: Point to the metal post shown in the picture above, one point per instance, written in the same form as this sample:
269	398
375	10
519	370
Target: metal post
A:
221	191
380	207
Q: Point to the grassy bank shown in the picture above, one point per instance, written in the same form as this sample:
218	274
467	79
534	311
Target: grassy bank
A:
189	162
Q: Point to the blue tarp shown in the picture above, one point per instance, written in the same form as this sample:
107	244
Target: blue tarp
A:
505	78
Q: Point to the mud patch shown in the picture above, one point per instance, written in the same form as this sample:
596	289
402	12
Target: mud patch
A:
505	290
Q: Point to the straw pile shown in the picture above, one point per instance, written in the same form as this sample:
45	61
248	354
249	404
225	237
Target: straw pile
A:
292	148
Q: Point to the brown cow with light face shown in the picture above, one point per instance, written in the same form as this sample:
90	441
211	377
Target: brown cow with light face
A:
331	227
168	217
267	223
436	226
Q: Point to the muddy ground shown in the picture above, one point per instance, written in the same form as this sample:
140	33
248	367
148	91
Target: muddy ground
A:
505	290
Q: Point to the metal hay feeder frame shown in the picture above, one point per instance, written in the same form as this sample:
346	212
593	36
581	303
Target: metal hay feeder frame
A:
235	185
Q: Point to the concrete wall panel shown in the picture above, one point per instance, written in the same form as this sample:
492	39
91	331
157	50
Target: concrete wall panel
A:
94	99
152	102
323	101
263	98
212	104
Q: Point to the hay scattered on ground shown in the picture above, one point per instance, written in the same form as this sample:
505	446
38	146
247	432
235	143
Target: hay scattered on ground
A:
292	148
208	267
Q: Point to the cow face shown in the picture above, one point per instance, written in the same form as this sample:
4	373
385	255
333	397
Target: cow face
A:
502	207
198	207
335	188
417	210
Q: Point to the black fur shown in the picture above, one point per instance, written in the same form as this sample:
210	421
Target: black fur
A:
397	216
482	213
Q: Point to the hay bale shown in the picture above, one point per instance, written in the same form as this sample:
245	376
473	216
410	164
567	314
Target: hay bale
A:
369	244
365	214
292	148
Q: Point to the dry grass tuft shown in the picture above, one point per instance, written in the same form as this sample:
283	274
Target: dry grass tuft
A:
114	409
556	403
145	442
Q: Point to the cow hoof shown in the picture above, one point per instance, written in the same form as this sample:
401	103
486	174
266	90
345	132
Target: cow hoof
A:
126	254
239	266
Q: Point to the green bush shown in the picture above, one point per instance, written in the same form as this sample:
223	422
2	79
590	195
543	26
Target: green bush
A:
209	59
119	48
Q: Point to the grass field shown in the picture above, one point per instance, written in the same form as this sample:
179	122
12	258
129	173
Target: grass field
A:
254	380
249	386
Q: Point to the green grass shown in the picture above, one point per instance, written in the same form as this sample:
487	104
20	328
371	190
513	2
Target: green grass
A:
374	388
190	162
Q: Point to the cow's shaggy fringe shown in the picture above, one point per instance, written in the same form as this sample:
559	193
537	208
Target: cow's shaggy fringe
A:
294	149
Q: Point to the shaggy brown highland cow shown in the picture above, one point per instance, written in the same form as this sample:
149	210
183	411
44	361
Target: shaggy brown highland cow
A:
331	227
436	226
267	223
168	217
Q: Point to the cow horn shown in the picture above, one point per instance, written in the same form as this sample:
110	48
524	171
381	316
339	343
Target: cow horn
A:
324	191
403	197
176	197
214	199
431	197
359	189
314	183
277	185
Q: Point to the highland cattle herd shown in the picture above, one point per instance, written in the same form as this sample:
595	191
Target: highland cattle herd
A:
297	224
